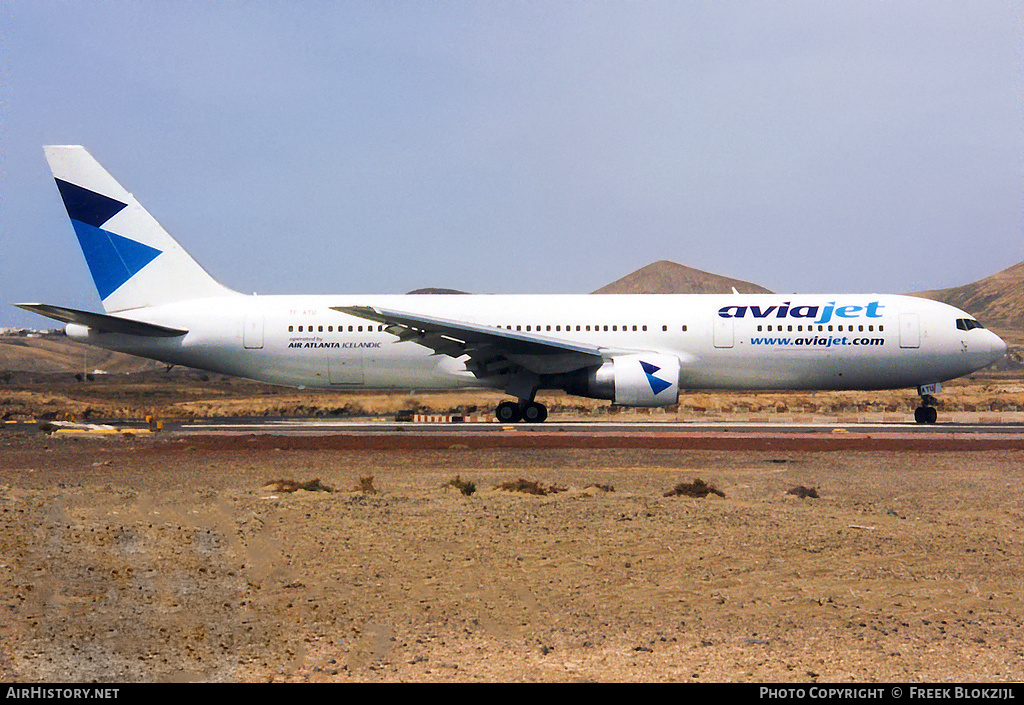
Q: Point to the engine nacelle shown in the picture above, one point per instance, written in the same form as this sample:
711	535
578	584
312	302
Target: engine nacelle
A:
646	379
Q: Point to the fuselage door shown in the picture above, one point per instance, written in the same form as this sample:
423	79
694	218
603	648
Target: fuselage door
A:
910	330
346	368
252	331
724	332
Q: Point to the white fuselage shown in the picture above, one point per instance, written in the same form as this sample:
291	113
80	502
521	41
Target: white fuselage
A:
635	350
738	341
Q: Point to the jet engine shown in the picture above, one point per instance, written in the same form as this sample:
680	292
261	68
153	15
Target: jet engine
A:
645	379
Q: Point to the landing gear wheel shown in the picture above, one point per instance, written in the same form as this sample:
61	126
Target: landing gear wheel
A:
534	412
508	412
925	414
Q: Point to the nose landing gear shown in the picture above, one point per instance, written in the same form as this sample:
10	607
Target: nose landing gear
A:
927	413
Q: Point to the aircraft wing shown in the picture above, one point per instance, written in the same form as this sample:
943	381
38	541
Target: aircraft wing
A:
489	348
103	322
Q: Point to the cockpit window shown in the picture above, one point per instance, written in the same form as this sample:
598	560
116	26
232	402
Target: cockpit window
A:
967	324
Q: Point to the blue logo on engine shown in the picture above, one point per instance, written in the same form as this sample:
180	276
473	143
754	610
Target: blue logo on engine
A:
657	385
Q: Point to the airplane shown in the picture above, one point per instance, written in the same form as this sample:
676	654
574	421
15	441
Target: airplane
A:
632	350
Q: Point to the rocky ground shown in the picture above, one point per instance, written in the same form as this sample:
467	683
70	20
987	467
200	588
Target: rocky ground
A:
146	558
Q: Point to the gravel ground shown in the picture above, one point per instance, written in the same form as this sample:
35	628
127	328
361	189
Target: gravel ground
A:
142	559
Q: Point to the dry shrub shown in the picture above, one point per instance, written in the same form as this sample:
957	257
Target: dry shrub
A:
804	492
294	486
697	488
466	487
529	487
366	485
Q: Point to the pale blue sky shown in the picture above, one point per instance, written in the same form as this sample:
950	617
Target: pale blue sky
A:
522	147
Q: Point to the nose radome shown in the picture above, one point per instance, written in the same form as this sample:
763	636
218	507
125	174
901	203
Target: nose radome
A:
998	347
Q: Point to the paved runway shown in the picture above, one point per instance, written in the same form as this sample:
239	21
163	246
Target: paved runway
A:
382	434
328	433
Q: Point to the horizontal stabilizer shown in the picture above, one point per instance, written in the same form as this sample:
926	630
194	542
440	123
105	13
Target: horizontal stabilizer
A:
103	322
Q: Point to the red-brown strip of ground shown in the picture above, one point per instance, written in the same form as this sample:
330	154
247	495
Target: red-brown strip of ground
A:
663	441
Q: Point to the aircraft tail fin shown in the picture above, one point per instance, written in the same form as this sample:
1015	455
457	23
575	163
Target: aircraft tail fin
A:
134	262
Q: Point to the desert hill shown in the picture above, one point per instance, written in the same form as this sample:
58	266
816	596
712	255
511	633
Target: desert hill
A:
435	290
997	301
664	277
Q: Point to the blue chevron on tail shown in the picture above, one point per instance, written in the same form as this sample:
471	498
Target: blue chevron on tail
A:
112	259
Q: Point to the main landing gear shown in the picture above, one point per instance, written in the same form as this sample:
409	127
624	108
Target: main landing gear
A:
528	411
927	413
